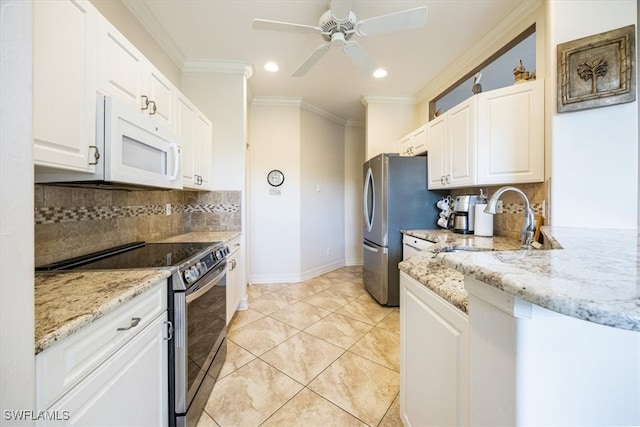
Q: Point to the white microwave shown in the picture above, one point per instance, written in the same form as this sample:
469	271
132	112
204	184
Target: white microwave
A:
131	151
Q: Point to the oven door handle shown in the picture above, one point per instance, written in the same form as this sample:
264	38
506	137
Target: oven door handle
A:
203	290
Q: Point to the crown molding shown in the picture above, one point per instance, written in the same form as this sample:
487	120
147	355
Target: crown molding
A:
278	101
507	29
323	113
354	123
218	66
378	99
142	13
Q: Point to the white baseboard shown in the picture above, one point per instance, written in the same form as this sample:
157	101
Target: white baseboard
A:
317	271
352	261
298	277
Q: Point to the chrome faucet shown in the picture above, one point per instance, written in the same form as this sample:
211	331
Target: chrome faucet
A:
529	225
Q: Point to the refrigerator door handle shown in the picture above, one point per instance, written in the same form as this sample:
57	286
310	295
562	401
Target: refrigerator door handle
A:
369	189
372	248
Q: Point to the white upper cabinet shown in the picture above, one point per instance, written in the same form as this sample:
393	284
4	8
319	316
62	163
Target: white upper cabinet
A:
204	153
511	134
78	54
162	97
125	73
461	144
64	80
452	147
415	143
195	132
492	138
438	153
186	130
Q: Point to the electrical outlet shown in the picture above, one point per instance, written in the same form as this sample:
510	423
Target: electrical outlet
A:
167	210
544	209
499	207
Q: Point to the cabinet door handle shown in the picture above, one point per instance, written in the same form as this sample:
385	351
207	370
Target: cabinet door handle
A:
169	330
442	180
448	179
133	324
145	102
96	155
153	107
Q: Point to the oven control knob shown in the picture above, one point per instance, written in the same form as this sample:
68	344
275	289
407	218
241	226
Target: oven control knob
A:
191	275
202	268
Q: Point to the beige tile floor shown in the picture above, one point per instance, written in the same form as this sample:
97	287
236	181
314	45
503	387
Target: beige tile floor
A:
316	353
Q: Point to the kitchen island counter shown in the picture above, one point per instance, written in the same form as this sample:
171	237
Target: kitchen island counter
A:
594	276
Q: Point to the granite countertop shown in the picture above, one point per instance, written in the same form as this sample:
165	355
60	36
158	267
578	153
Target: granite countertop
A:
594	276
447	282
67	301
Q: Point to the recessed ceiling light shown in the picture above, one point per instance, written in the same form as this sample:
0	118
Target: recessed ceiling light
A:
271	67
380	73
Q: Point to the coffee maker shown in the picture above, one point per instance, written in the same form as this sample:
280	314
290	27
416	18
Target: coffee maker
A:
463	214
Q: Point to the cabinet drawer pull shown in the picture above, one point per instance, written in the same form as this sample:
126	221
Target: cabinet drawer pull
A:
133	324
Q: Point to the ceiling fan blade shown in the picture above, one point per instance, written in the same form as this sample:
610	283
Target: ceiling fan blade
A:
340	9
358	56
265	24
311	60
398	21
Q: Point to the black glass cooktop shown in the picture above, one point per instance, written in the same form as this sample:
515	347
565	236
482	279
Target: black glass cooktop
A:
134	255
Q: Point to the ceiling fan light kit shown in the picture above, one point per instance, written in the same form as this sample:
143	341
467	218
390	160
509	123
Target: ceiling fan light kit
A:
338	25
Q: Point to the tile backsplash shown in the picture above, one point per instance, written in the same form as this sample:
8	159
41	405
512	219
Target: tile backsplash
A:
509	223
71	221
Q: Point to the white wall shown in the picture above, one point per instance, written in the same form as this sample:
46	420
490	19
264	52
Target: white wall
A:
594	153
274	224
299	232
17	376
388	120
354	157
321	194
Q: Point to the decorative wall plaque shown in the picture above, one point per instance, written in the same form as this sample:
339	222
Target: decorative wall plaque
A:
597	71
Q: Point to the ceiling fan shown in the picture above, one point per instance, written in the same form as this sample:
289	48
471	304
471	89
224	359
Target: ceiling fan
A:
338	25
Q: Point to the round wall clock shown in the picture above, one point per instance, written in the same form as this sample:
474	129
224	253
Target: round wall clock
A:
275	178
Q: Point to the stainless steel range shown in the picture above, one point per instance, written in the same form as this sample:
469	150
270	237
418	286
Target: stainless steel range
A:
197	311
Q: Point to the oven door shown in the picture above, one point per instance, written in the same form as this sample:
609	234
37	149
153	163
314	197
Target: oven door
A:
200	328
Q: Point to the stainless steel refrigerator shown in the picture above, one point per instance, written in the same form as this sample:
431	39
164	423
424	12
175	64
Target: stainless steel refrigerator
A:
395	198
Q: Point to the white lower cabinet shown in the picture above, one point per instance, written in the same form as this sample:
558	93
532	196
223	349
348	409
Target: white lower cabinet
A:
236	298
112	372
434	364
130	388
